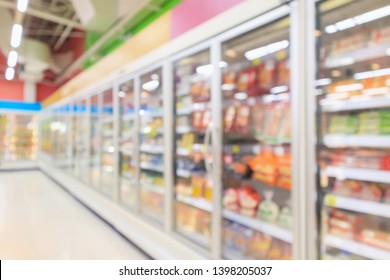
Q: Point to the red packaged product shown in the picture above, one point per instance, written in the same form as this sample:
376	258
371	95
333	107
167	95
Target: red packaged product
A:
283	73
197	119
345	224
247	81
249	200
241	123
229	118
266	76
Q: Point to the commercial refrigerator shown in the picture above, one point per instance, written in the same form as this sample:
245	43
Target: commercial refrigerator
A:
80	140
353	90
96	140
151	143
107	159
128	166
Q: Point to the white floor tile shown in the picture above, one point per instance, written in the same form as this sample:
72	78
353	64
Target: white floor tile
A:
39	220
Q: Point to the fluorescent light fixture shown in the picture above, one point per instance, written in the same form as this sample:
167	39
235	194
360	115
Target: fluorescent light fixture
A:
16	35
222	64
349	87
345	24
241	96
266	50
12	58
151	85
10	73
323	82
22	5
205	69
279	89
331	29
227	86
373	15
357	20
371	74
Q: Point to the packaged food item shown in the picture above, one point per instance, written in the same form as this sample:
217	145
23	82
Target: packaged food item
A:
374	123
249	200
274	122
229	119
259	118
344	224
377	238
275	252
196	89
376	85
247	81
197	184
371	192
208	190
285	217
268	210
348	188
266	77
241	123
264	167
197	119
343	90
387	195
283	72
205	120
230	200
284	171
343	124
259	246
205	91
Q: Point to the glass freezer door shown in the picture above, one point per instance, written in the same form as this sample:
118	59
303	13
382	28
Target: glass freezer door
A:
151	145
354	136
107	145
256	144
80	126
193	187
96	140
127	151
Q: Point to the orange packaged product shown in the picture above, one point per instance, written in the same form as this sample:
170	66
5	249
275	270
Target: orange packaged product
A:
196	91
284	171
344	90
258	113
197	119
247	81
344	224
205	92
264	167
259	246
266	76
230	77
229	118
376	85
283	73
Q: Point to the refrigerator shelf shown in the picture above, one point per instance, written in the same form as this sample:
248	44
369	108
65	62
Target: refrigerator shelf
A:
371	141
356	247
152	167
152	149
359	103
265	227
355	56
193	236
184	111
183	129
358	205
362	174
152	187
199	203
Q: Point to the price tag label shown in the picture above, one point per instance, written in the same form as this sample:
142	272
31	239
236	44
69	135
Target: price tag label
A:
330	200
235	149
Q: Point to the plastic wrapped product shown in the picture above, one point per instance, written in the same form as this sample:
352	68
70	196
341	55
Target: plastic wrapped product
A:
268	209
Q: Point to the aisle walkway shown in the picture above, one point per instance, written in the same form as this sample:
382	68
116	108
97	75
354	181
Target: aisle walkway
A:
39	220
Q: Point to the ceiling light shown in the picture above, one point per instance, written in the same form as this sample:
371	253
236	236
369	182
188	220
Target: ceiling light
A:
345	24
22	5
323	82
205	69
349	87
330	29
371	74
280	89
357	20
373	15
266	50
16	36
10	73
151	85
12	58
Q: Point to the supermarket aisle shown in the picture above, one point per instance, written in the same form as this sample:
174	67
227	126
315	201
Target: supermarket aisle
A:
38	220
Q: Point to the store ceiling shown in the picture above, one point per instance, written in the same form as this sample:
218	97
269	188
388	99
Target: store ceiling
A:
55	33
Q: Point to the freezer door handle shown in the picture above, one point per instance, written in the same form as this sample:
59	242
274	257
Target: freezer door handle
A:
207	144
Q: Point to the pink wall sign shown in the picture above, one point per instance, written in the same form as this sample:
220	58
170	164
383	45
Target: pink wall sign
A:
191	13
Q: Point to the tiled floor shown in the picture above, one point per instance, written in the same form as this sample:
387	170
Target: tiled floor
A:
39	220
